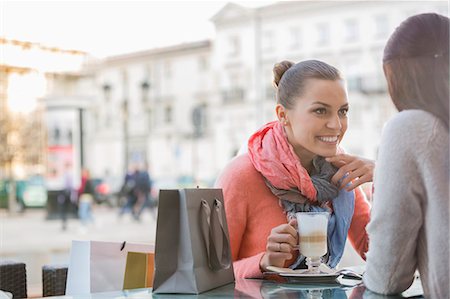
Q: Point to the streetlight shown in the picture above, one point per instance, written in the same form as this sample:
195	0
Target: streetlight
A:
145	87
199	124
106	89
125	132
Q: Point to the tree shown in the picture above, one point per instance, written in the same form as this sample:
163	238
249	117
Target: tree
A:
33	140
22	142
7	152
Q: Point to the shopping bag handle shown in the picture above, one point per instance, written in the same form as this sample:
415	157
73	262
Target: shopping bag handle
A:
205	217
216	239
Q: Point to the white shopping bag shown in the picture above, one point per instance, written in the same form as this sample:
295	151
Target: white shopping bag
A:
99	266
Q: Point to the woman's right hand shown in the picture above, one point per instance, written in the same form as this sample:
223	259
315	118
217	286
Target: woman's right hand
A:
280	245
353	171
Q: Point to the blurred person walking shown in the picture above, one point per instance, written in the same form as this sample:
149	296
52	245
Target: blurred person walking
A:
143	191
65	197
85	198
128	191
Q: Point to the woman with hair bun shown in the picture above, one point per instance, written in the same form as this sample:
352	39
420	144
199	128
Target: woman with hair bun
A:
288	168
409	229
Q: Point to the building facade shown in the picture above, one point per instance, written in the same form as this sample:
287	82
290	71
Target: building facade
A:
186	110
151	108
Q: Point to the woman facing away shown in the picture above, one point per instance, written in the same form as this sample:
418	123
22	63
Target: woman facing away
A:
409	229
286	171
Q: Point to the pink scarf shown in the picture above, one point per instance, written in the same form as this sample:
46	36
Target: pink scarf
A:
273	156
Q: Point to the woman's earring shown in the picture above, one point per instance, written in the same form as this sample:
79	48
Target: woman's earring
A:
285	122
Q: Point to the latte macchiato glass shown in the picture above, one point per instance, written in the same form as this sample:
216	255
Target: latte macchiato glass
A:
312	233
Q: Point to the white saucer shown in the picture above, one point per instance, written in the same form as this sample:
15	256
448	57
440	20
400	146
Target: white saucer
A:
309	275
302	275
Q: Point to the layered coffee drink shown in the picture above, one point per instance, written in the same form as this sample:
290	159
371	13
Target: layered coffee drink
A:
313	244
312	232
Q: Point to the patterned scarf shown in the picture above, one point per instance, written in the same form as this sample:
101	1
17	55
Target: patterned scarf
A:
273	156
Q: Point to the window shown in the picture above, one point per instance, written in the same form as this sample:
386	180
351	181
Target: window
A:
167	69
199	120
107	119
443	10
351	30
234	46
233	95
107	91
124	74
354	83
203	63
270	93
296	38
56	135
381	26
168	114
323	34
96	119
145	86
69	136
268	41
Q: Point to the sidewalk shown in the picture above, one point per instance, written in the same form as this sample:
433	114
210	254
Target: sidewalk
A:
31	239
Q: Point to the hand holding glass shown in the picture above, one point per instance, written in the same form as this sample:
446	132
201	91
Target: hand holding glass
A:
312	233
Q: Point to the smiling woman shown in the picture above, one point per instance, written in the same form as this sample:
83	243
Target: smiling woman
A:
317	124
285	171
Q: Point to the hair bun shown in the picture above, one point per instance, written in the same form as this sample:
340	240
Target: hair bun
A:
279	69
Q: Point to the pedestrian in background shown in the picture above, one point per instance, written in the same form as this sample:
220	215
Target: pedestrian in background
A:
143	190
128	192
65	197
85	198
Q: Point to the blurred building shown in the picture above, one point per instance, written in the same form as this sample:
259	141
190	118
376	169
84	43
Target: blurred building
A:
188	109
347	34
26	69
152	107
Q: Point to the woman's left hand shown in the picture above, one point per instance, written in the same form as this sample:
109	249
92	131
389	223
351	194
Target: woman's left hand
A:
353	171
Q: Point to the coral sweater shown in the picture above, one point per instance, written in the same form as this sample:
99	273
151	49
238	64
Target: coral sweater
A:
253	211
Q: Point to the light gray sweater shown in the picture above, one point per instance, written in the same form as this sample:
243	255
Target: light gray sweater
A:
409	227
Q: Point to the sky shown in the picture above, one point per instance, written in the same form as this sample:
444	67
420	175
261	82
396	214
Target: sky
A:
107	28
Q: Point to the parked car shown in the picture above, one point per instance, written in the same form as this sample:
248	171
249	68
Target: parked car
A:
30	193
35	192
3	194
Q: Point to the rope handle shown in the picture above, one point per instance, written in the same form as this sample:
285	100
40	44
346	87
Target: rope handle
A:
205	226
215	236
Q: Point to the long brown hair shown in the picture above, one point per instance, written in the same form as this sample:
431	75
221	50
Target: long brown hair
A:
416	65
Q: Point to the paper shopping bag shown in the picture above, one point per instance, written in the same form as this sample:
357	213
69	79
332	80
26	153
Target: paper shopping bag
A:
192	252
139	270
99	266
